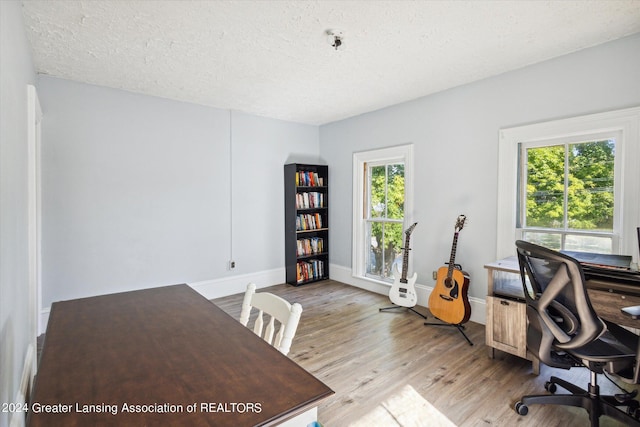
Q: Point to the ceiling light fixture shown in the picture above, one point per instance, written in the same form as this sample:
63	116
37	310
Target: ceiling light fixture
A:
335	38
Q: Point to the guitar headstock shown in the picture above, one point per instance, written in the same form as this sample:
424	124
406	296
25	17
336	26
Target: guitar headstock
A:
409	230
460	222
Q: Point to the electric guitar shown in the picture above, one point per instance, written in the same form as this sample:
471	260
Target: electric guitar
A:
403	291
448	300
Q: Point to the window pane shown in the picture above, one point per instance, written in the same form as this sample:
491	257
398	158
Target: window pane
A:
374	255
578	197
385	248
602	245
393	236
377	194
395	191
590	192
548	240
545	187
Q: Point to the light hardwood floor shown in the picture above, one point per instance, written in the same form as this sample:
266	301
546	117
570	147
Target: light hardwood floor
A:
366	356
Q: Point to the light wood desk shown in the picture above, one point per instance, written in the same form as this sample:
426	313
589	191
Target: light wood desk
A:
506	324
164	356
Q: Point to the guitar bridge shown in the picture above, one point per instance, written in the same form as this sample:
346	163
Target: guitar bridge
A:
446	298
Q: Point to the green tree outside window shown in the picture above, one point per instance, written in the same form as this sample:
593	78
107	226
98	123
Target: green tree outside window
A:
569	187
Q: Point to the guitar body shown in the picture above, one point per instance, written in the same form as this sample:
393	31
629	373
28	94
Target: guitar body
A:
448	300
403	294
403	290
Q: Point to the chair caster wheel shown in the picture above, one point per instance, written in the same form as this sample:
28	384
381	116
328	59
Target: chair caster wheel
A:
521	408
550	387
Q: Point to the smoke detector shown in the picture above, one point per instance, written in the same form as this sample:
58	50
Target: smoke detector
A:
335	38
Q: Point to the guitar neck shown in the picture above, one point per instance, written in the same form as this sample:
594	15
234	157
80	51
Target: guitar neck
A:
405	259
452	258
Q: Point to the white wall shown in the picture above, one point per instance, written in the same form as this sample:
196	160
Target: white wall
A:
137	191
455	137
261	148
16	71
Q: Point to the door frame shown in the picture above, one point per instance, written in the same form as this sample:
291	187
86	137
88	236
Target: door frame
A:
34	207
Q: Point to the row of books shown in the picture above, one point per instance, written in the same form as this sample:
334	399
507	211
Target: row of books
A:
310	270
309	179
309	200
308	222
311	246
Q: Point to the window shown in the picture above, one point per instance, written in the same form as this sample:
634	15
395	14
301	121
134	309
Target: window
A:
567	194
571	184
384	218
382	181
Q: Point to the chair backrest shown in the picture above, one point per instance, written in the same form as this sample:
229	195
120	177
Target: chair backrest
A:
559	311
275	309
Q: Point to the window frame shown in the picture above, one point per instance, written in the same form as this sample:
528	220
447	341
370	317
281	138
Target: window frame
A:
626	122
396	154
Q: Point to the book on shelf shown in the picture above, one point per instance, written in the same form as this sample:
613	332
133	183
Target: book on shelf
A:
309	200
310	246
310	270
308	179
306	222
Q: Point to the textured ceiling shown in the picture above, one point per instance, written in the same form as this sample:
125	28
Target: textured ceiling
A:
272	58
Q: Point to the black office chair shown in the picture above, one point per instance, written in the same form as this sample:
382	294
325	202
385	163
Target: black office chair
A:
564	332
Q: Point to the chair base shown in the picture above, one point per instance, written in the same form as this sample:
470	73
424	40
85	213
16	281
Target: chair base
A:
591	400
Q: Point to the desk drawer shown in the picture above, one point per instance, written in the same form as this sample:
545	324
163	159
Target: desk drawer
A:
506	327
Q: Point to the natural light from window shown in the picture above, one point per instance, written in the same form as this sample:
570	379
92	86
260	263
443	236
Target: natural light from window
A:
567	195
382	207
385	219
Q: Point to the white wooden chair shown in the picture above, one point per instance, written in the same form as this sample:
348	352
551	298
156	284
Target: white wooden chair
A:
276	308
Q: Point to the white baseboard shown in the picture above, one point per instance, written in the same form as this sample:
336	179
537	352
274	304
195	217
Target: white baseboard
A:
217	288
343	274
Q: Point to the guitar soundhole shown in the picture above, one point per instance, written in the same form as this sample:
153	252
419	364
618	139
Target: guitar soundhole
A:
450	283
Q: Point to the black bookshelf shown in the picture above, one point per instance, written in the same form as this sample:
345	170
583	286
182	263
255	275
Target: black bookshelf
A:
306	215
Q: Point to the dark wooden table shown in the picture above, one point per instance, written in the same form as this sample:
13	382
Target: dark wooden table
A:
163	356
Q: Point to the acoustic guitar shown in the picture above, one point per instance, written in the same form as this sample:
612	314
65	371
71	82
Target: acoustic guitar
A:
403	291
448	300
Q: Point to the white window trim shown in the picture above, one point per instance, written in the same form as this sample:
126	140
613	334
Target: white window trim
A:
626	121
403	153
